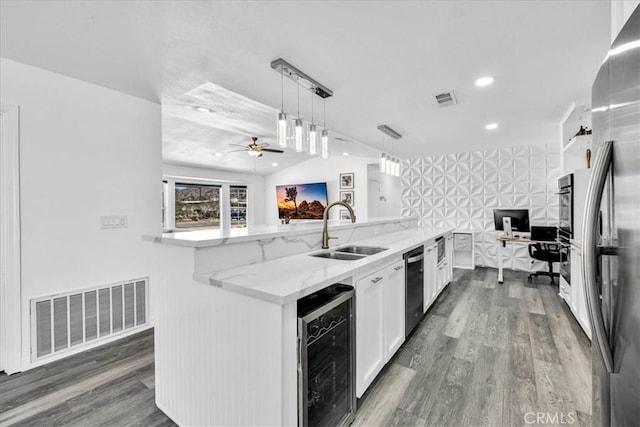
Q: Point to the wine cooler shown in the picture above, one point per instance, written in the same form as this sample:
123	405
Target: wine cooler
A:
326	357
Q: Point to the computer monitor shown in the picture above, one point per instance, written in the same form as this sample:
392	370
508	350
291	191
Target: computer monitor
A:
519	219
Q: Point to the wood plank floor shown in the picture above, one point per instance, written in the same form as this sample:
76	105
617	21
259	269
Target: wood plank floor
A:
485	354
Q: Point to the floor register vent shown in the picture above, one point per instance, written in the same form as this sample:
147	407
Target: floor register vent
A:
63	322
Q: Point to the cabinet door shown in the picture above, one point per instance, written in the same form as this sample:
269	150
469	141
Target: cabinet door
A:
394	308
430	288
369	330
442	273
449	252
578	303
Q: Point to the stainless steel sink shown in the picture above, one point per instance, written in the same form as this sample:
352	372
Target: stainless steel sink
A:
361	250
338	255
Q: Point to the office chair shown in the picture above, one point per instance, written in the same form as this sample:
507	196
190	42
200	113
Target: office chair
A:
547	252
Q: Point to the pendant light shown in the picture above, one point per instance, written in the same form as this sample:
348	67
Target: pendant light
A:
298	127
282	118
325	132
383	162
313	135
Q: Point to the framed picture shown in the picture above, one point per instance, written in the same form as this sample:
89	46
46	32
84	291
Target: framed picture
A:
347	197
344	214
346	181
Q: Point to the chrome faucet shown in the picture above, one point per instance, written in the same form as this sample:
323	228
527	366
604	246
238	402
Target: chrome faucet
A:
325	217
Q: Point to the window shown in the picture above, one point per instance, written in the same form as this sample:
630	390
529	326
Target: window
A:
197	205
238	204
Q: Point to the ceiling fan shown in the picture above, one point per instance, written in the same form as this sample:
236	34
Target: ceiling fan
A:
254	149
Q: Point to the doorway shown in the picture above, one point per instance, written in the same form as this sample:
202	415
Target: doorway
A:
10	280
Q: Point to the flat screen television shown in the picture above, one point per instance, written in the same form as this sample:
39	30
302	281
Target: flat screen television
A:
519	219
302	201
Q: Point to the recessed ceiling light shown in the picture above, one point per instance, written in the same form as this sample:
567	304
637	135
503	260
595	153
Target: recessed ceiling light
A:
484	81
218	154
345	154
491	126
274	164
203	109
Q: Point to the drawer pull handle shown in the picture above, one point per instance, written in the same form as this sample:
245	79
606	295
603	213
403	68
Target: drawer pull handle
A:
398	268
376	280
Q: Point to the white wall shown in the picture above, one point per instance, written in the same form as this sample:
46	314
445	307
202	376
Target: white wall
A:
320	170
461	190
85	151
383	193
255	184
621	10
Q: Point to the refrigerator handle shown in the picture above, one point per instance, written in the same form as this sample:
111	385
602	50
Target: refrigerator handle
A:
590	255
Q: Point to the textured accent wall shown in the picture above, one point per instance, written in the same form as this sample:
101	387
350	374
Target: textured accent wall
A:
461	190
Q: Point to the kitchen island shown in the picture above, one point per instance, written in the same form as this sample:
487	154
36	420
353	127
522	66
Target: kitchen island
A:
226	338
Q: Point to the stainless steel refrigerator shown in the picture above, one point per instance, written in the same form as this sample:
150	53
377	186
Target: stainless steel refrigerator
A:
611	235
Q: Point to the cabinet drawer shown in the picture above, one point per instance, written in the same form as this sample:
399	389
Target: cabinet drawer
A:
462	242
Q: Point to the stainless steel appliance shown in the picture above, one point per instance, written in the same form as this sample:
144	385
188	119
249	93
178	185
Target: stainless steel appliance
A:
326	357
441	244
414	288
565	193
611	236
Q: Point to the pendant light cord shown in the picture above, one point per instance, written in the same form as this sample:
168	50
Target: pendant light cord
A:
324	106
282	91
298	81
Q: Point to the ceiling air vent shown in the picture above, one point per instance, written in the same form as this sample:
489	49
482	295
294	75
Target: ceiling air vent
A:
444	99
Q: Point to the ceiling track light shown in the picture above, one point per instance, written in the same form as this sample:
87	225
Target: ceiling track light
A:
389	132
300	134
300	77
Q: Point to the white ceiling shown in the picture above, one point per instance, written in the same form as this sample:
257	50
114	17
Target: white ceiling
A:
384	61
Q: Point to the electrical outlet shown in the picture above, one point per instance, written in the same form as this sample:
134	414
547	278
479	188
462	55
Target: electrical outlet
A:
114	221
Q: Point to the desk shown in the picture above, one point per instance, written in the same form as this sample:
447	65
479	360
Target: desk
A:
502	241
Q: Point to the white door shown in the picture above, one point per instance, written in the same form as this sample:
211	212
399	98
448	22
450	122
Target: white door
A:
10	331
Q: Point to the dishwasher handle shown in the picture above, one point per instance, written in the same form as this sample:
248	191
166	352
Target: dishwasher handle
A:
414	259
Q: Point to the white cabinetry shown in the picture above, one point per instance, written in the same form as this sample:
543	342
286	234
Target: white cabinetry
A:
430	289
464	250
449	258
394	308
577	300
380	309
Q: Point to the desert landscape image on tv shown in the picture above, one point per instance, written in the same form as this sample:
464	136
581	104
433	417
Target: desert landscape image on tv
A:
302	201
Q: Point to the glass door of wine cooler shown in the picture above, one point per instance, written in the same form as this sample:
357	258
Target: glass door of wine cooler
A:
326	357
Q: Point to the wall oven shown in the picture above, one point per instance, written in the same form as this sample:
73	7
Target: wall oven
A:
565	193
326	357
565	259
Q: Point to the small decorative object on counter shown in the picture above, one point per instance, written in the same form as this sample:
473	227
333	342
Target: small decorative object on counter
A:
588	158
583	131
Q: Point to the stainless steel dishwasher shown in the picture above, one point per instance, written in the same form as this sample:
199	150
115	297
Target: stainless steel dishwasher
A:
414	288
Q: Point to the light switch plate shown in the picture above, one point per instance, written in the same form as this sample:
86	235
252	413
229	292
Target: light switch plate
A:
114	221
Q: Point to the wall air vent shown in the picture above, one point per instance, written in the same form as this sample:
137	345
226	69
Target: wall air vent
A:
444	99
65	322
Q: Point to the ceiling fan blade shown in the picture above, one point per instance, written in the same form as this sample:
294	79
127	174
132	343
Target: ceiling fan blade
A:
238	145
271	150
235	151
264	144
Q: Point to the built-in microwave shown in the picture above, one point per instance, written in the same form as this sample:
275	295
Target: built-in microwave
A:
440	241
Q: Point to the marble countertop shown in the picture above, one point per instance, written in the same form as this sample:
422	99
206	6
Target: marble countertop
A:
289	278
203	238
